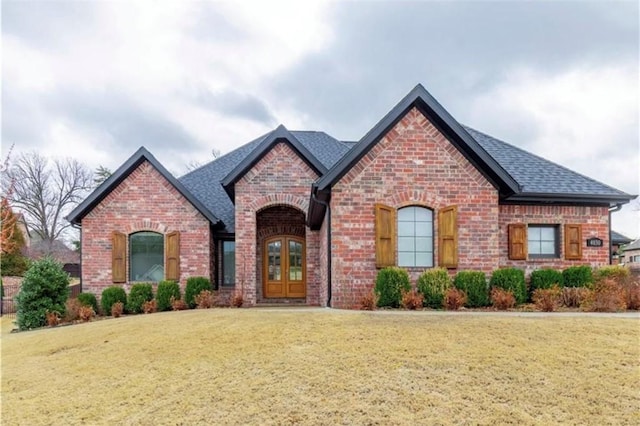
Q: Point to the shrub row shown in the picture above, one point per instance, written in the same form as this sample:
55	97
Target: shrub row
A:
141	297
506	288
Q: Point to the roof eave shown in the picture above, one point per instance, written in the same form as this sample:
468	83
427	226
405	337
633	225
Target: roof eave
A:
280	134
141	155
554	198
446	124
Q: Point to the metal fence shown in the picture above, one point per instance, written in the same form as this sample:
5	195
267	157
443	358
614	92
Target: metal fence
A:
9	306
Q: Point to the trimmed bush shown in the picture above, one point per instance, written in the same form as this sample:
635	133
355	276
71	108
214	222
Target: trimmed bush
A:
510	279
544	278
454	299
433	283
577	276
502	299
390	283
607	296
111	295
369	301
195	285
547	299
45	288
88	299
166	290
474	284
412	300
140	293
619	273
117	309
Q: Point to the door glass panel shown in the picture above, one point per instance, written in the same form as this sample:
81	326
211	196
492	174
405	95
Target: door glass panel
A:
273	261
295	261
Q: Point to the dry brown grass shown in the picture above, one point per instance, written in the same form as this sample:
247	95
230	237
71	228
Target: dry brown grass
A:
229	366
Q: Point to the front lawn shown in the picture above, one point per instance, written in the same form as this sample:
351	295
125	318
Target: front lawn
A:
261	366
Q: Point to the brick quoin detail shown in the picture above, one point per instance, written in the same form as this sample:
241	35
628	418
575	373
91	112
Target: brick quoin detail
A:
280	179
144	201
594	221
413	164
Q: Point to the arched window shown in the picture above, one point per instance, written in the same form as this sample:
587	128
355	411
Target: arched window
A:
415	236
146	256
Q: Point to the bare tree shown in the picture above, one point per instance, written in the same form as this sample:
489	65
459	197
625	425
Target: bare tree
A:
192	165
45	192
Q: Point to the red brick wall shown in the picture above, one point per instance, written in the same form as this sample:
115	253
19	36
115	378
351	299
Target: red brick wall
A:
144	201
594	221
414	164
280	178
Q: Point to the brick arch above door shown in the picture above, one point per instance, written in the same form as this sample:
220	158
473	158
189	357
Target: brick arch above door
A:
279	199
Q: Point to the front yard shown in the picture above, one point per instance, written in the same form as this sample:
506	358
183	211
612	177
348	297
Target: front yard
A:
315	366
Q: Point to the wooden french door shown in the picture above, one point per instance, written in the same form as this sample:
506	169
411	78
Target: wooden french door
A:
284	267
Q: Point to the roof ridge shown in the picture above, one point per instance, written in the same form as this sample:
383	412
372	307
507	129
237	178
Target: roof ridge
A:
543	159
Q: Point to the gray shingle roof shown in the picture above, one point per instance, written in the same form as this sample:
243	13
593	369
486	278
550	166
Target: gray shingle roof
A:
204	182
618	238
633	246
535	174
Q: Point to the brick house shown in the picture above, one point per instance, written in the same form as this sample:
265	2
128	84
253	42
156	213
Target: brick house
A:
301	217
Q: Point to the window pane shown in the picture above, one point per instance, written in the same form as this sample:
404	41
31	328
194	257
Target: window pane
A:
424	259
548	234
406	244
146	257
424	244
547	247
423	215
406	214
533	247
295	261
533	233
273	265
424	229
406	259
405	229
228	263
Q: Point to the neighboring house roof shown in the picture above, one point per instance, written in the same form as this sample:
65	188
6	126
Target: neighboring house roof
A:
140	156
633	246
618	238
206	181
56	249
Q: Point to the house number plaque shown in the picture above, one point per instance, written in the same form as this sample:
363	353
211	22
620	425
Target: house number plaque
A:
594	242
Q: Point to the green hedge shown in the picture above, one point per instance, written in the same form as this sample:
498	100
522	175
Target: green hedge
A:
544	278
474	284
194	286
166	290
111	295
88	299
390	283
433	283
140	293
510	279
45	288
577	276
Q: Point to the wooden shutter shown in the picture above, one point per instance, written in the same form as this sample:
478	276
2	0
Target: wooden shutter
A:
448	237
518	241
573	242
385	236
172	266
118	257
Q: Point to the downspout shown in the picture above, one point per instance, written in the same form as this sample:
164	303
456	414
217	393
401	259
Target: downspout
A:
324	203
612	210
79	228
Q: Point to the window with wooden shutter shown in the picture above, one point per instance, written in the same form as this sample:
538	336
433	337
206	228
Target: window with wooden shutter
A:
172	264
448	237
518	241
573	242
118	257
385	228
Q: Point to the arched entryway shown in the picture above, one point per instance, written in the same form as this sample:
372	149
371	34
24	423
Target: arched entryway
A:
281	253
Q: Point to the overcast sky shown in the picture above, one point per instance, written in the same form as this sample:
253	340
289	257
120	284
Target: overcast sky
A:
97	80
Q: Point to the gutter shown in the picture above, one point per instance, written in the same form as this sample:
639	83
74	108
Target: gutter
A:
328	207
79	228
